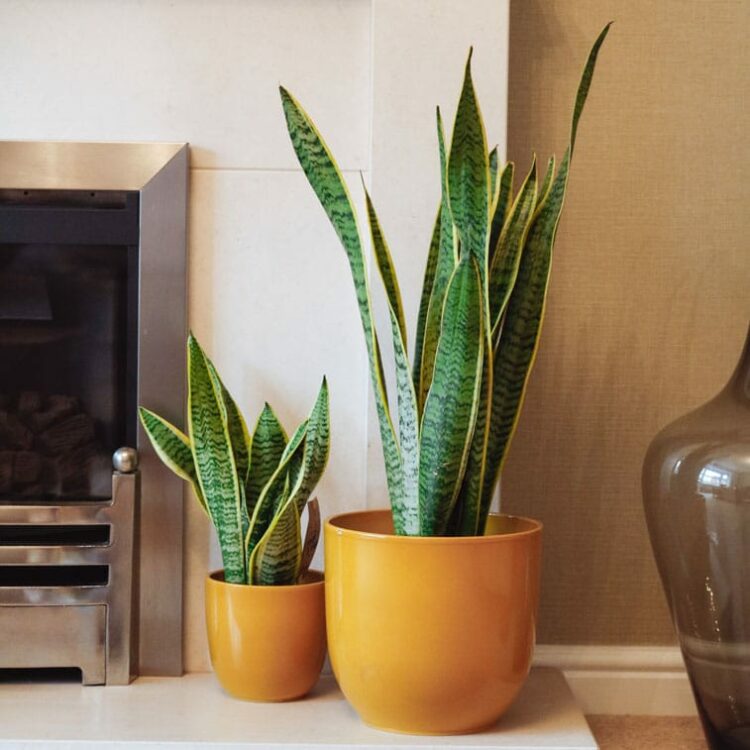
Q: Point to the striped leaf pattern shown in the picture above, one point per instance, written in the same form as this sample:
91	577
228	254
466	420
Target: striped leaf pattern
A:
445	265
315	454
173	448
469	176
276	559
408	417
424	302
451	407
267	446
480	313
500	212
214	461
327	182
224	465
510	245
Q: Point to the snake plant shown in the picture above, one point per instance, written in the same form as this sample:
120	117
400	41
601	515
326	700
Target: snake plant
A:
480	315
253	488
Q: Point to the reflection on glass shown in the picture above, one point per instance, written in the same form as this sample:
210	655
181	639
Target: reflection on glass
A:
63	369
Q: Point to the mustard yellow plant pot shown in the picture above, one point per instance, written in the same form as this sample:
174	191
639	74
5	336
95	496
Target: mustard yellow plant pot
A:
430	635
267	643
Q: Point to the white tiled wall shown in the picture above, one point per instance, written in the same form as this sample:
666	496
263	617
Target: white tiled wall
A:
270	295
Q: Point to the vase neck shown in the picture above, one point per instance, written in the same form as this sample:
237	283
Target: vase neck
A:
739	385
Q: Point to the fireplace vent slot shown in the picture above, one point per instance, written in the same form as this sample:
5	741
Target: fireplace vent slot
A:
53	575
46	535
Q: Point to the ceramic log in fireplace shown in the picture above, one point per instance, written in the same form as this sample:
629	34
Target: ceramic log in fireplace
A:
92	323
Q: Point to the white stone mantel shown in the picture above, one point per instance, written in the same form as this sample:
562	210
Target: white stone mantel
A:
193	713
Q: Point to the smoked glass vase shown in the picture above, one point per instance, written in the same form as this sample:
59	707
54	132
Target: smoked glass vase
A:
696	491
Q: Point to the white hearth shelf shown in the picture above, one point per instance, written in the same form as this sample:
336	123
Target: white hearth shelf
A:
192	713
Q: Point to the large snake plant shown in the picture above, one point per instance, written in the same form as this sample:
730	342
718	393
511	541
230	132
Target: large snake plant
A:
252	487
482	304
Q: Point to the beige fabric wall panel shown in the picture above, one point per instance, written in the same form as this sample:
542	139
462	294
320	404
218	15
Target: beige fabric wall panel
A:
649	301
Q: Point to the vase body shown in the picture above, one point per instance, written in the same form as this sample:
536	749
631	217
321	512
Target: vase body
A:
267	643
430	635
696	488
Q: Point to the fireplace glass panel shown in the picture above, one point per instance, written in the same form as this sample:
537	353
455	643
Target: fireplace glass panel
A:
67	372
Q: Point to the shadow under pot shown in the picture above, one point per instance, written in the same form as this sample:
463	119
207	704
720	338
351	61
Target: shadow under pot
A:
431	635
267	643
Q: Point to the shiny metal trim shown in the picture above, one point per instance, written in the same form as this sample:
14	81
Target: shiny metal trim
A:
63	614
66	165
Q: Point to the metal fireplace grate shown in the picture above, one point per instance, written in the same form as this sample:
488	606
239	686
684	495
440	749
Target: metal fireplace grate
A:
66	584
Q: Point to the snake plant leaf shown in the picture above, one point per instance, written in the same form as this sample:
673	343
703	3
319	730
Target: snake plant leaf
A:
466	513
173	448
316	450
275	561
451	407
408	416
546	182
326	180
384	262
272	493
424	301
506	260
585	84
499	214
214	461
239	439
519	338
469	176
494	178
445	265
267	445
312	535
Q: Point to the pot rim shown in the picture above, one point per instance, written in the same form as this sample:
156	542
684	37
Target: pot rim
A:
332	523
216	576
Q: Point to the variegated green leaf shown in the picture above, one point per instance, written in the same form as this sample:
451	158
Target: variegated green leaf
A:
325	178
451	407
272	493
424	302
173	448
267	445
312	535
408	417
510	246
316	450
384	262
519	337
445	265
469	177
275	561
494	179
500	211
214	461
239	438
547	181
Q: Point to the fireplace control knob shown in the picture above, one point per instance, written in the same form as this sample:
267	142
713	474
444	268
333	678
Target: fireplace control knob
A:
125	460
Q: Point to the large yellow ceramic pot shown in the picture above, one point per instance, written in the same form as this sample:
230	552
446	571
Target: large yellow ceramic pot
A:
430	635
267	643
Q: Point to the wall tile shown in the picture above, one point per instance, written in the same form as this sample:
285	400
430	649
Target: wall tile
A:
203	72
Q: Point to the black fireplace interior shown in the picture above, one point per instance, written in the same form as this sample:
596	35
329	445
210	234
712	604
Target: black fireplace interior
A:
68	333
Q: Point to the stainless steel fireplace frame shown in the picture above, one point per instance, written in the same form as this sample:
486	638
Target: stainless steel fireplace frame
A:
158	174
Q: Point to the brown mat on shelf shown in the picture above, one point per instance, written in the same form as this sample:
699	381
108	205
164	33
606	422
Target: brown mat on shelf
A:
646	732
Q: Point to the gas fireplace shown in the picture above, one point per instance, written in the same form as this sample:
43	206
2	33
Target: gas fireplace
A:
92	322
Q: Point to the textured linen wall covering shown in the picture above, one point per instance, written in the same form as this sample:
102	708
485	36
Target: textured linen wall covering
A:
649	300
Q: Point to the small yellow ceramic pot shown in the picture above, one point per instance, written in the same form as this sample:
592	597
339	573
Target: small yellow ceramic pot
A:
430	635
267	643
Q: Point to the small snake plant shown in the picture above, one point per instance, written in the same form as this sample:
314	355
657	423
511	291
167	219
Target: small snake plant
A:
482	303
252	487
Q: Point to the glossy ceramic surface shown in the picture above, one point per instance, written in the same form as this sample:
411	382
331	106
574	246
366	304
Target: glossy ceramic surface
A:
696	488
267	643
430	635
